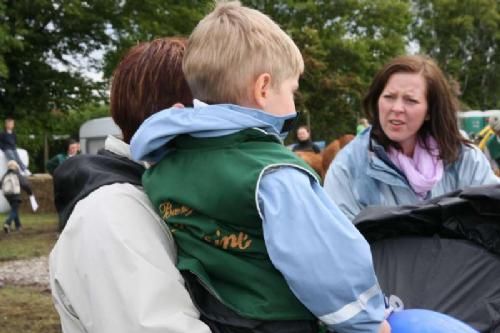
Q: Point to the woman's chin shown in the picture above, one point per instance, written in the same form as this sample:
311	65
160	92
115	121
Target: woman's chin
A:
394	137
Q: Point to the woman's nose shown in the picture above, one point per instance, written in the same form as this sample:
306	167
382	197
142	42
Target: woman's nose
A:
398	105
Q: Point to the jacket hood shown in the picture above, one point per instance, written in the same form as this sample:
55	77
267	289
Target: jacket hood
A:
80	175
150	141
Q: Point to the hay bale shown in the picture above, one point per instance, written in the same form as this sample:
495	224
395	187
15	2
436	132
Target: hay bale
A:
43	189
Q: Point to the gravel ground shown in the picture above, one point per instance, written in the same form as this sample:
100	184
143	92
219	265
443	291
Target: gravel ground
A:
25	272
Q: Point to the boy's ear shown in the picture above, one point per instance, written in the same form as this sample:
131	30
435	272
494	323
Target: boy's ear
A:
261	89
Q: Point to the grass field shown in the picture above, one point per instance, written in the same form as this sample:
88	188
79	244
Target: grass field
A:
36	239
28	309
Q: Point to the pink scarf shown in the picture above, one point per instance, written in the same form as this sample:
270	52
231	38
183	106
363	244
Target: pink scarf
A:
424	169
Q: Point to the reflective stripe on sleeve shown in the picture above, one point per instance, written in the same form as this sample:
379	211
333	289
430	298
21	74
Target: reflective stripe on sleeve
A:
350	310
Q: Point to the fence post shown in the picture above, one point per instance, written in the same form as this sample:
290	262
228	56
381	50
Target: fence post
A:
45	151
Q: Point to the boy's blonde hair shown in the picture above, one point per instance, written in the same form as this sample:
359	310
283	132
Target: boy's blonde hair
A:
231	47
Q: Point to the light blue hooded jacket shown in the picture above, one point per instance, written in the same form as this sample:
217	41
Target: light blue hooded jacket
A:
324	259
361	177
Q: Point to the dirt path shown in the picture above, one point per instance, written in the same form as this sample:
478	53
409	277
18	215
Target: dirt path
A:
33	271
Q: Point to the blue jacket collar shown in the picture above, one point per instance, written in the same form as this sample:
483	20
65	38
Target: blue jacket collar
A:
150	141
381	167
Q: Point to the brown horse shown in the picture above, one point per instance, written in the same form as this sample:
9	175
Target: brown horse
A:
333	148
321	162
314	160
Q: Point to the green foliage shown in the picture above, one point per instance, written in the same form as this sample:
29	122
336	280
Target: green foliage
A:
143	20
464	37
343	43
5	41
38	38
40	34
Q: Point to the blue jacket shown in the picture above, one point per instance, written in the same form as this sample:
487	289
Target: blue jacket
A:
324	259
361	177
8	141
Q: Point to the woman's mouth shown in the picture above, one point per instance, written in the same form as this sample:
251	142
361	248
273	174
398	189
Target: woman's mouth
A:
396	122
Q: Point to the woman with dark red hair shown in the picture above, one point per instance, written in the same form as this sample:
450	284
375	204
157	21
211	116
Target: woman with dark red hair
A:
113	266
414	150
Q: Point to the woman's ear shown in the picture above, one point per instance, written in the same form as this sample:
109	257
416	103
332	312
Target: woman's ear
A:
261	88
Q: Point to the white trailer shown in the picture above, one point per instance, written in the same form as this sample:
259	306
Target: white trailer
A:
93	133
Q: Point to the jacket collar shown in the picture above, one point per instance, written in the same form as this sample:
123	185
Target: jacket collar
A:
381	167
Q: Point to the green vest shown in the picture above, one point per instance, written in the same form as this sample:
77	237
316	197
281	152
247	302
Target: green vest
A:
54	162
494	147
206	191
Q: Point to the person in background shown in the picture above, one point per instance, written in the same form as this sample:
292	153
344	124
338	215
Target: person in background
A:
493	144
414	150
305	142
113	267
72	149
261	246
8	144
12	184
362	125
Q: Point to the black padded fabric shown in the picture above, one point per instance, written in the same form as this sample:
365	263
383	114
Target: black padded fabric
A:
452	276
442	255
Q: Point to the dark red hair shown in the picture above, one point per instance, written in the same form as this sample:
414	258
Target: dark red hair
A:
442	105
148	79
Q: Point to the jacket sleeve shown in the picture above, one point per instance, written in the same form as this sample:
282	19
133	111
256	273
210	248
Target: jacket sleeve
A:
52	164
339	187
25	184
112	269
325	260
475	169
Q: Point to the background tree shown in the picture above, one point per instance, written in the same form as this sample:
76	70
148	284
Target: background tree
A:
41	39
6	42
463	36
46	47
44	33
136	21
343	44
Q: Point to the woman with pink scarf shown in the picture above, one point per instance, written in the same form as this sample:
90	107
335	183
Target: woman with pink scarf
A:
414	150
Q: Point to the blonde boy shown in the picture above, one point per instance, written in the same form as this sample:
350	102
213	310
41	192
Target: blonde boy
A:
261	247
